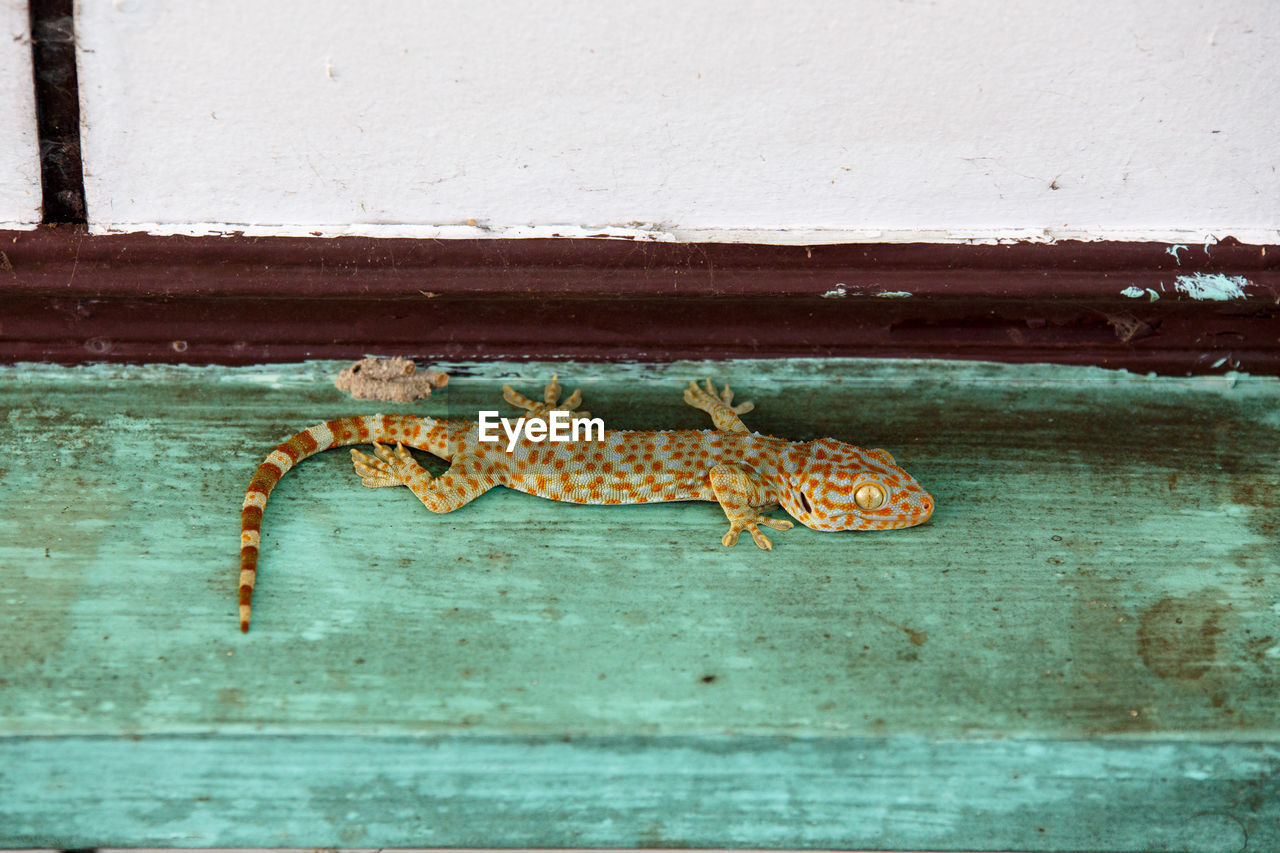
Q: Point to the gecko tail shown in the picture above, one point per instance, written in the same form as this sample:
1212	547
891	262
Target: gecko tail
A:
336	433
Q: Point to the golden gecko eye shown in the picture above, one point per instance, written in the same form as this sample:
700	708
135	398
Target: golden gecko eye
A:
869	496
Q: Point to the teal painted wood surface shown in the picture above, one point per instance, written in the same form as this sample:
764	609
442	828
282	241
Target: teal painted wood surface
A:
1079	651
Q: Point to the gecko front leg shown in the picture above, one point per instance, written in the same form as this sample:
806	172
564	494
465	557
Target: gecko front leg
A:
739	497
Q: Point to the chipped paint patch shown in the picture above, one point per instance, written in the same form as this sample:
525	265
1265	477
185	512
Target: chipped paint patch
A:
1212	286
1173	250
1135	292
663	232
841	290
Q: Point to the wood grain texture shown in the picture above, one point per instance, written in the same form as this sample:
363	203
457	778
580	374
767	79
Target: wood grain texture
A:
1079	651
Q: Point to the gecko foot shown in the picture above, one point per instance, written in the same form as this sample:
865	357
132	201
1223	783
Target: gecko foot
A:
718	404
550	396
391	468
709	399
751	523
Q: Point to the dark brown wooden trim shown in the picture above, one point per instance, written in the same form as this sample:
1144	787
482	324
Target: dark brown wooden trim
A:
69	297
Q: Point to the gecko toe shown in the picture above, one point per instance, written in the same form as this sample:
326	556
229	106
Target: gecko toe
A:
759	538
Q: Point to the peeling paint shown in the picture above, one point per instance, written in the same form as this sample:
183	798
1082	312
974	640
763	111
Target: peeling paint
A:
1212	286
669	233
1173	250
841	290
1135	292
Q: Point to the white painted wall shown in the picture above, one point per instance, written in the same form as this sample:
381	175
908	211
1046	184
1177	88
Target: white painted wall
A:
1149	119
19	148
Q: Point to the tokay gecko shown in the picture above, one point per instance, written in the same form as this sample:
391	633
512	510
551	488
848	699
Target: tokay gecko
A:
826	484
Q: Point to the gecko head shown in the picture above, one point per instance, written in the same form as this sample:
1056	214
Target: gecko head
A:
830	485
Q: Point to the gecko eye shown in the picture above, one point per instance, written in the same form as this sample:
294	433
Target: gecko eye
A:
869	496
804	502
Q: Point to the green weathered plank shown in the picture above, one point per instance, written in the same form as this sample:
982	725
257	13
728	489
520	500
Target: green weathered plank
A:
1079	650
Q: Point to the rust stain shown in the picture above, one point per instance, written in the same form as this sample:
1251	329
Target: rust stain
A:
1177	637
917	638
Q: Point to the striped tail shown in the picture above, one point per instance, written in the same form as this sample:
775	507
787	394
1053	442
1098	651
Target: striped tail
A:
363	429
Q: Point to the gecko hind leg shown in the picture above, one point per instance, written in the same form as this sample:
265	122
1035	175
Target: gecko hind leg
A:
376	473
719	405
467	478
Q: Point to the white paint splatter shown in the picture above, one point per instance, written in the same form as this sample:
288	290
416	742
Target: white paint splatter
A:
1212	286
1173	250
894	294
